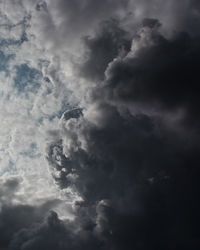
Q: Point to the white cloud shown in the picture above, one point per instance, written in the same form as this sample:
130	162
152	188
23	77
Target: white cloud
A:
28	115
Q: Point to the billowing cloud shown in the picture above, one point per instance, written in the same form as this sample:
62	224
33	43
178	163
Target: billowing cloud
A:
157	70
141	165
108	92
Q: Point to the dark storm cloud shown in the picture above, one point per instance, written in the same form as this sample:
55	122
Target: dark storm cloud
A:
137	175
16	218
163	72
49	234
142	176
158	72
27	227
53	233
109	41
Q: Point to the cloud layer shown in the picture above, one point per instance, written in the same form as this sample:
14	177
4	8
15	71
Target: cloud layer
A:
108	93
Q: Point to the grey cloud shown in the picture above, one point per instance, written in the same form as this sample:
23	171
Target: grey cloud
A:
80	16
77	18
173	14
62	23
109	41
134	172
14	218
122	157
8	188
47	235
52	233
158	72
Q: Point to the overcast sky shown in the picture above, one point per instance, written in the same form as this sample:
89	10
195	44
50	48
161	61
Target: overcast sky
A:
99	124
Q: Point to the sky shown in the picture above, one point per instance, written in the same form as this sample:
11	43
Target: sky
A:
99	124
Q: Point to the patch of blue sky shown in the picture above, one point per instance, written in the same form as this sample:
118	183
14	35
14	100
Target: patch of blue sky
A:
8	24
4	61
7	43
25	24
5	53
27	78
13	42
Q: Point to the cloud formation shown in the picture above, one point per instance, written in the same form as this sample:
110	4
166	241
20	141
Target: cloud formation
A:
111	90
131	152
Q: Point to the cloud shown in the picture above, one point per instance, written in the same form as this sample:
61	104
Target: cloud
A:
133	168
103	48
156	70
16	218
141	170
117	111
29	108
